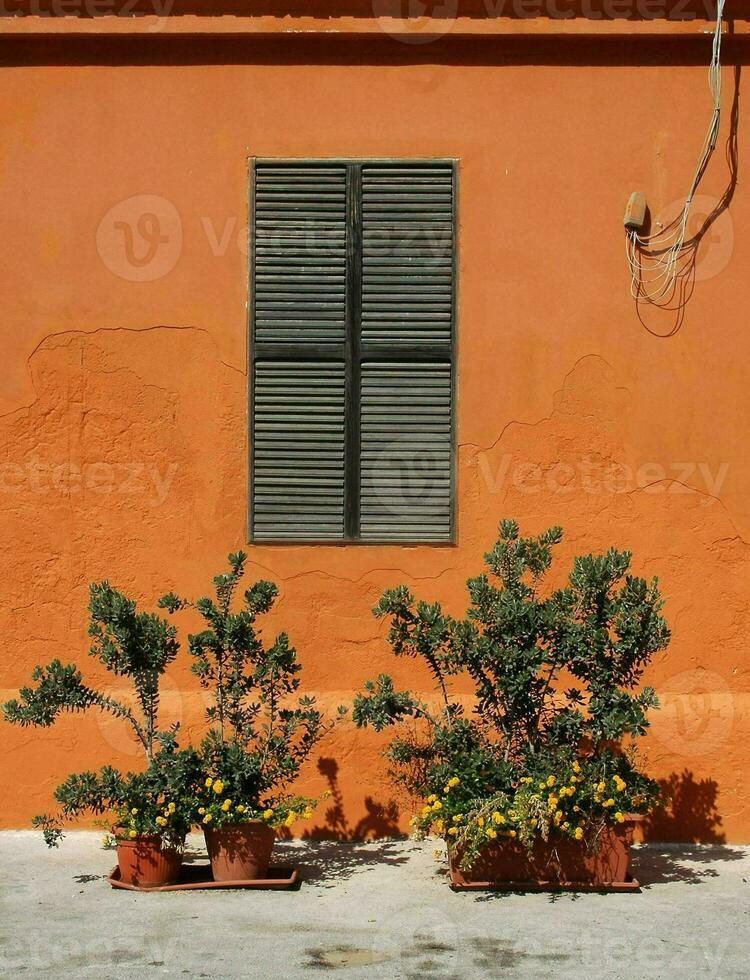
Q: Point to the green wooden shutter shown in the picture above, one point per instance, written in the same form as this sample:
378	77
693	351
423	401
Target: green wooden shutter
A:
299	233
352	350
407	350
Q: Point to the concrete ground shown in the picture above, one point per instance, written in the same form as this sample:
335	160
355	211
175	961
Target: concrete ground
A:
380	910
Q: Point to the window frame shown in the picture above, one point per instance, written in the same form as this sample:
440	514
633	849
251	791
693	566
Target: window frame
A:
353	353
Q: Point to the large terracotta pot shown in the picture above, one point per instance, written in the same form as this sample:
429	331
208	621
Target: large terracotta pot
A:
142	862
240	851
558	861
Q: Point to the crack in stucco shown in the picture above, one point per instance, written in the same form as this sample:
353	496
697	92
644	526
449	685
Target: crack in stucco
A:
73	334
546	418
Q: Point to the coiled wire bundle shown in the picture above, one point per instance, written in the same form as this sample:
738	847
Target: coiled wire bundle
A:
657	261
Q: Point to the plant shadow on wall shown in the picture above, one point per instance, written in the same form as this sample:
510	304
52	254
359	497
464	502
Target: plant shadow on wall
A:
689	814
648	285
381	819
335	848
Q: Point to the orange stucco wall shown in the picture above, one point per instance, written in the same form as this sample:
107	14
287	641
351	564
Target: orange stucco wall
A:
123	433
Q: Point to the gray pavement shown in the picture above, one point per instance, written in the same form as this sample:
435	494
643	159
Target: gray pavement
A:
379	910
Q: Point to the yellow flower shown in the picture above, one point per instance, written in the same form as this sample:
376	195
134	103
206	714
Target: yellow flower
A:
453	831
226	805
526	779
241	809
576	767
438	827
308	812
491	833
542	786
291	817
218	787
601	787
551	780
619	784
201	810
267	814
171	807
453	781
162	821
558	816
619	817
480	821
552	801
432	798
458	818
209	782
498	817
511	833
565	825
578	833
609	802
134	810
132	833
208	818
437	805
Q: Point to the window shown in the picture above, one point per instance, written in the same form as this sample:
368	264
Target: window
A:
352	320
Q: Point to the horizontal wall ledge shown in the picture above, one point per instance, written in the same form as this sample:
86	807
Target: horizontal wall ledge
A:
408	30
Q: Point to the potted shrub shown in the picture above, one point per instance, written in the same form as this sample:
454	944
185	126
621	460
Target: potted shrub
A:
152	809
536	779
262	731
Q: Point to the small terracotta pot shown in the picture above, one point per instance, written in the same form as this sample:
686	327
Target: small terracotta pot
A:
558	861
240	851
143	862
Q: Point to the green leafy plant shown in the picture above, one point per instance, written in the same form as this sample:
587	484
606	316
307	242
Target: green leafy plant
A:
139	646
262	730
555	679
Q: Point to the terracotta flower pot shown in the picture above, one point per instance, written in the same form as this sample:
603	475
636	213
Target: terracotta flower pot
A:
240	851
558	861
143	862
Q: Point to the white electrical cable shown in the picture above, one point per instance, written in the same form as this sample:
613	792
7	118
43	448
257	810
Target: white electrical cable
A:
661	253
